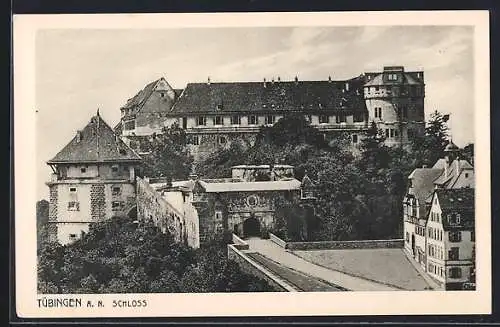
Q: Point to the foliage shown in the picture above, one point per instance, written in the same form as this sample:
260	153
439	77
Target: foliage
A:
117	256
167	154
42	217
357	196
430	147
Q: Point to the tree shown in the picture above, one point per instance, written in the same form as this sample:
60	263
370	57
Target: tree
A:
430	147
167	154
116	256
42	217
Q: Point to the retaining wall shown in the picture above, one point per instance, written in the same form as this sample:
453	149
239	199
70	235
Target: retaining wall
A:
251	267
338	245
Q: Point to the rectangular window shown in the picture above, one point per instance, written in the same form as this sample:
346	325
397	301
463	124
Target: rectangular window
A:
218	120
453	254
359	117
116	205
341	118
410	133
354	138
270	119
195	140
235	120
323	119
396	133
116	190
83	170
455	272
201	121
72	189
252	120
222	140
454	218
73	206
455	236
114	168
218	215
72	236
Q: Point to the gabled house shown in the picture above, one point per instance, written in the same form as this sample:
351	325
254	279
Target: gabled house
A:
93	179
448	173
450	235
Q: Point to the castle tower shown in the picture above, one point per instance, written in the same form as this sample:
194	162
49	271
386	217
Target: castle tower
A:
93	180
395	102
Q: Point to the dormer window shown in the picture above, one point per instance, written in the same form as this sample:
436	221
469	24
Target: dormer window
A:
454	219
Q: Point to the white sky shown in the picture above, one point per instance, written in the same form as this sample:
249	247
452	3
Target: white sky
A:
79	70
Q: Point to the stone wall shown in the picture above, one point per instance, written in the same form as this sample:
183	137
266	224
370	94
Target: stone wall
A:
151	205
251	267
97	202
53	203
339	245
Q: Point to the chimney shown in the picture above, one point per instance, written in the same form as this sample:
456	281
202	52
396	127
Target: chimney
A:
272	80
347	86
329	79
296	80
279	79
264	82
78	136
208	80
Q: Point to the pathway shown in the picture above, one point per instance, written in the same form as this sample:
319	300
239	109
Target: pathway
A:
276	253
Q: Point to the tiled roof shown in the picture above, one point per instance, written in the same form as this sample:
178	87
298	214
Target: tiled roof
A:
282	185
459	201
280	96
379	80
454	170
138	100
97	143
423	185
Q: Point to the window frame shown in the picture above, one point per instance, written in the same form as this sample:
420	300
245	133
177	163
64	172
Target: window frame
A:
221	123
236	118
73	206
324	119
255	120
201	121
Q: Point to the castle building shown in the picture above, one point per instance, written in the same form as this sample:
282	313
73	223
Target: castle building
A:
419	211
198	210
93	179
216	114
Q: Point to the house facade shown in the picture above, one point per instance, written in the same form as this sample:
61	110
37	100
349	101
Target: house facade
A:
216	114
425	237
451	238
93	179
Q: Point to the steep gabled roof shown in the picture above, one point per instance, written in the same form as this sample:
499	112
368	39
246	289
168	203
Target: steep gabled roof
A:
136	103
423	185
280	96
95	143
459	201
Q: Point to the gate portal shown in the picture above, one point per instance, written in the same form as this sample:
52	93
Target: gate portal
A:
251	227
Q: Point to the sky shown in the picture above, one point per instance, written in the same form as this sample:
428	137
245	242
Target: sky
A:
81	70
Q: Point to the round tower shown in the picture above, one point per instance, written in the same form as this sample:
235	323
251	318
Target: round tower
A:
395	102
